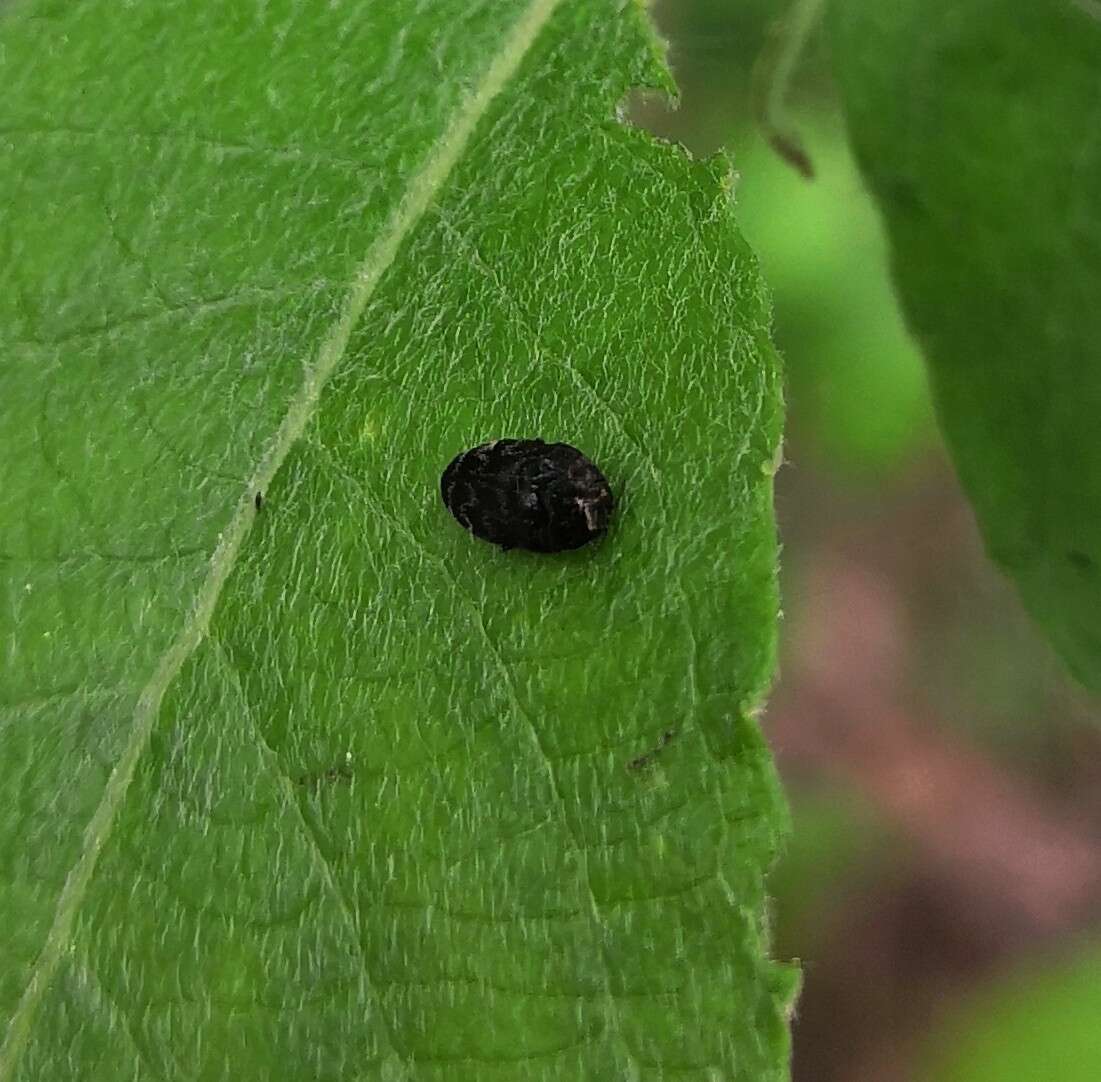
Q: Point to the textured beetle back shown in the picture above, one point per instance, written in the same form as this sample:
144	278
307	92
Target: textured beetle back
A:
546	497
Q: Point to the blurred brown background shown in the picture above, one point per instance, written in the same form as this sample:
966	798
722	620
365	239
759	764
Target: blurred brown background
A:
943	884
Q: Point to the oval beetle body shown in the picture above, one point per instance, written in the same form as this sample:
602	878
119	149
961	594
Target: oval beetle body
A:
527	494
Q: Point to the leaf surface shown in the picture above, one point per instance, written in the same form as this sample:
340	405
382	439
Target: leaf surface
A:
977	124
326	788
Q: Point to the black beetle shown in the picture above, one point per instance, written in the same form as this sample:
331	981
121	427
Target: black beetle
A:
527	494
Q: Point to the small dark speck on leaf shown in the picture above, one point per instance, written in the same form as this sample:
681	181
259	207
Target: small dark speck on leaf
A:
640	762
339	772
1080	560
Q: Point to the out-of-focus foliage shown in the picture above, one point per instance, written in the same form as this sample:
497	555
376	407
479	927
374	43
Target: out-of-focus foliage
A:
1036	1026
976	123
856	384
834	835
856	378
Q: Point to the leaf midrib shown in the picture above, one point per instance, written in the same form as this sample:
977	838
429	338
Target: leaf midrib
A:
418	195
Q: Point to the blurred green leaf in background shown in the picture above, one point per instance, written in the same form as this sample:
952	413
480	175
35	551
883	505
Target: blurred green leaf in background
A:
328	789
856	383
854	370
1041	1023
976	125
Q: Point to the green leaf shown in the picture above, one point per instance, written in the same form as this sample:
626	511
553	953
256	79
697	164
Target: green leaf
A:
853	374
976	124
329	789
1038	1023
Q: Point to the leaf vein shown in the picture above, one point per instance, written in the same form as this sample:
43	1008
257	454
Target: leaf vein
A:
424	185
328	872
